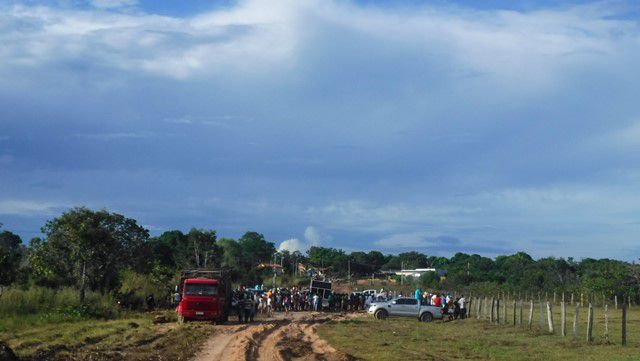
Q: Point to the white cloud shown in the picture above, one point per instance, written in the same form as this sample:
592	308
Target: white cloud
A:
112	4
116	136
312	235
28	208
293	245
258	37
394	123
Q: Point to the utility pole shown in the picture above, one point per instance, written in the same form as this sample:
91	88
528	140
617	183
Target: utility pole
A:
349	270
401	273
273	261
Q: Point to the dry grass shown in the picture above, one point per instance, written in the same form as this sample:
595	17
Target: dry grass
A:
135	338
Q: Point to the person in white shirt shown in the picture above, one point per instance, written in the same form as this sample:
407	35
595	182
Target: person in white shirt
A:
368	301
463	310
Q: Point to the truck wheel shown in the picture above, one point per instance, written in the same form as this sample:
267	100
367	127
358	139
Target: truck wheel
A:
381	314
426	317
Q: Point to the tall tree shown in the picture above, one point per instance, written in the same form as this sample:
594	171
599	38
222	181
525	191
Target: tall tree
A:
254	249
93	245
171	249
203	246
10	256
231	252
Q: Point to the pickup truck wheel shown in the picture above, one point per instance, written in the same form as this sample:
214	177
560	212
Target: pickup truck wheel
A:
381	314
426	317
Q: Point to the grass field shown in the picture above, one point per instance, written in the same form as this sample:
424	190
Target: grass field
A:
133	338
472	339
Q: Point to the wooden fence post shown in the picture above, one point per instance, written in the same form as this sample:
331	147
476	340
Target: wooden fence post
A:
581	298
590	323
493	306
530	314
541	315
485	305
498	311
575	321
487	309
615	300
521	306
571	298
563	320
624	324
506	306
514	312
554	297
550	318
606	323
478	309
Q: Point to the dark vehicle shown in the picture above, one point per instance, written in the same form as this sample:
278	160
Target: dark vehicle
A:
322	289
206	295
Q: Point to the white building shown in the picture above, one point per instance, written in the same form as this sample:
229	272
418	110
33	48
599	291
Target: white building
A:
415	272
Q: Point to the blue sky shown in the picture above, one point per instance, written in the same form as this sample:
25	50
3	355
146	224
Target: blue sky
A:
439	126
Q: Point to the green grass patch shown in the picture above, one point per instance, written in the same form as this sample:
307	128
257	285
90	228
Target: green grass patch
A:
20	308
408	339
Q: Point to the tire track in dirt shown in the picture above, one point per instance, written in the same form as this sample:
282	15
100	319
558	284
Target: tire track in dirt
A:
284	338
219	344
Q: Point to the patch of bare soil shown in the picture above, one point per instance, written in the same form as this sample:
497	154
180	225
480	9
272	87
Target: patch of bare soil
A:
285	337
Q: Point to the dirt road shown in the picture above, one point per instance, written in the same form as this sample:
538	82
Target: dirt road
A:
281	338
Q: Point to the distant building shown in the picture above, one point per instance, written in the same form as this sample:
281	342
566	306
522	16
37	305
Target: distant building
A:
418	272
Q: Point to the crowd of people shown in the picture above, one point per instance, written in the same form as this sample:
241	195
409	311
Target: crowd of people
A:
248	302
453	307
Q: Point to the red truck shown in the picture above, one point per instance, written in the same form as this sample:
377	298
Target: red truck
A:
205	295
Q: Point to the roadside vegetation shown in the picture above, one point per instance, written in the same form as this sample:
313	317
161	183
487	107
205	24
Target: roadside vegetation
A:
133	337
20	308
408	339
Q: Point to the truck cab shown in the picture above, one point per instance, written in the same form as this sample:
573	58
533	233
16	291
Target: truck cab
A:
204	298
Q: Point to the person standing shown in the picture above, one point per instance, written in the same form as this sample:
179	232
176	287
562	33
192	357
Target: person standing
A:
418	294
237	299
247	305
463	310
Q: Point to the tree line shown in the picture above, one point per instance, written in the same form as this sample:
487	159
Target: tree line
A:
110	253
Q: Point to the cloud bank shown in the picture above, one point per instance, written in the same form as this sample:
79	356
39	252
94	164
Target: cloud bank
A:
383	125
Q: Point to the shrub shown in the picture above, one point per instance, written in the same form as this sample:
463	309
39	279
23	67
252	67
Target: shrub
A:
62	303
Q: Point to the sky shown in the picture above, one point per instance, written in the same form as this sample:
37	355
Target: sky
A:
437	126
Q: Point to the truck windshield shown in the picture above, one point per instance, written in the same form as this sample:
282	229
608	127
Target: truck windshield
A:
200	289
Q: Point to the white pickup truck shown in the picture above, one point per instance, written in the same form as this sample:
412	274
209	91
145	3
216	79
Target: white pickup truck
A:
405	307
